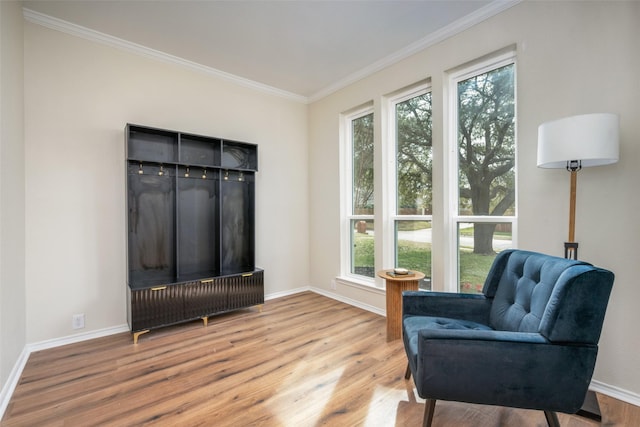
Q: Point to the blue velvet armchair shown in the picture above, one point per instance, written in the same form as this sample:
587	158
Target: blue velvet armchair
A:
530	339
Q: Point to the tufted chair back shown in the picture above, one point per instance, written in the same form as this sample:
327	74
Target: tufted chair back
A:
534	292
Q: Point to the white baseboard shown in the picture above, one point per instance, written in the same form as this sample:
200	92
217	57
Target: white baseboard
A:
615	392
328	294
12	381
70	339
286	293
349	301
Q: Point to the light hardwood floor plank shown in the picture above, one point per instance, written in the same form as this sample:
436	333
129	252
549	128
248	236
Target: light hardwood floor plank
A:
304	360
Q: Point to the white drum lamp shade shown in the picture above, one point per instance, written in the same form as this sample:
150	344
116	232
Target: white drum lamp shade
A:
591	139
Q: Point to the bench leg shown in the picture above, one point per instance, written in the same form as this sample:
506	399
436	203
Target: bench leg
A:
136	335
407	373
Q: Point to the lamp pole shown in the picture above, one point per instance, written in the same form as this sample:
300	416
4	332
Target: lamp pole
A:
571	246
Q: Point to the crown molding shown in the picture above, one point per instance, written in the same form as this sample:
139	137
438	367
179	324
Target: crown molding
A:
118	43
486	12
450	30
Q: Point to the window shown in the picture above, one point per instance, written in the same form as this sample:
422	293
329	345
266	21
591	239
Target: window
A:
411	124
483	216
360	206
463	217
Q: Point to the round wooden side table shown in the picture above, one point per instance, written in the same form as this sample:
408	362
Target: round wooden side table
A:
396	284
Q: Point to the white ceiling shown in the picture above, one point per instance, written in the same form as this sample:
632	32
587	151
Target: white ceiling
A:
303	48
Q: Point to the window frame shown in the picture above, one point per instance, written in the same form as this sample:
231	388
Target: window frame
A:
390	174
452	217
346	190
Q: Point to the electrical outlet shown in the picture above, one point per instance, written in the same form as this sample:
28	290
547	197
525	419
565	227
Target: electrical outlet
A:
77	321
333	284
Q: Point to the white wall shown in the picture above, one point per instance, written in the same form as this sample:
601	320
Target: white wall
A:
573	58
79	94
12	227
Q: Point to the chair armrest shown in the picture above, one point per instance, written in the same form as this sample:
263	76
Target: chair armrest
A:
496	338
516	369
472	307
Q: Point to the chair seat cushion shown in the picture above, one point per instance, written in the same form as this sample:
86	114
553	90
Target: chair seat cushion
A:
413	324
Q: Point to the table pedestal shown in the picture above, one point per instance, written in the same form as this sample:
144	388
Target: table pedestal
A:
395	286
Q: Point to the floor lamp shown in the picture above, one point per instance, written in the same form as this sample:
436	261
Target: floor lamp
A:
573	143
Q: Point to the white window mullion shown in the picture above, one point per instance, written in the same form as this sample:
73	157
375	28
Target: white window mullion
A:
450	202
388	178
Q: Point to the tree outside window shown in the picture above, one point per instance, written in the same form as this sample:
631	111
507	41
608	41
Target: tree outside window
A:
362	134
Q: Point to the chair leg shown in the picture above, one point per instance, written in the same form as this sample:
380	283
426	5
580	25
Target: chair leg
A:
552	418
407	373
429	408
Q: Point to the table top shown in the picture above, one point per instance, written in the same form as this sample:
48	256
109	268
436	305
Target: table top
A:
401	277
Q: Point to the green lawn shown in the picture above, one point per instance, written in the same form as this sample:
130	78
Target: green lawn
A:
417	256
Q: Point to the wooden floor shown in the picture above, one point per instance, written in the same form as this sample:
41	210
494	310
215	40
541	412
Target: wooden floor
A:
305	360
